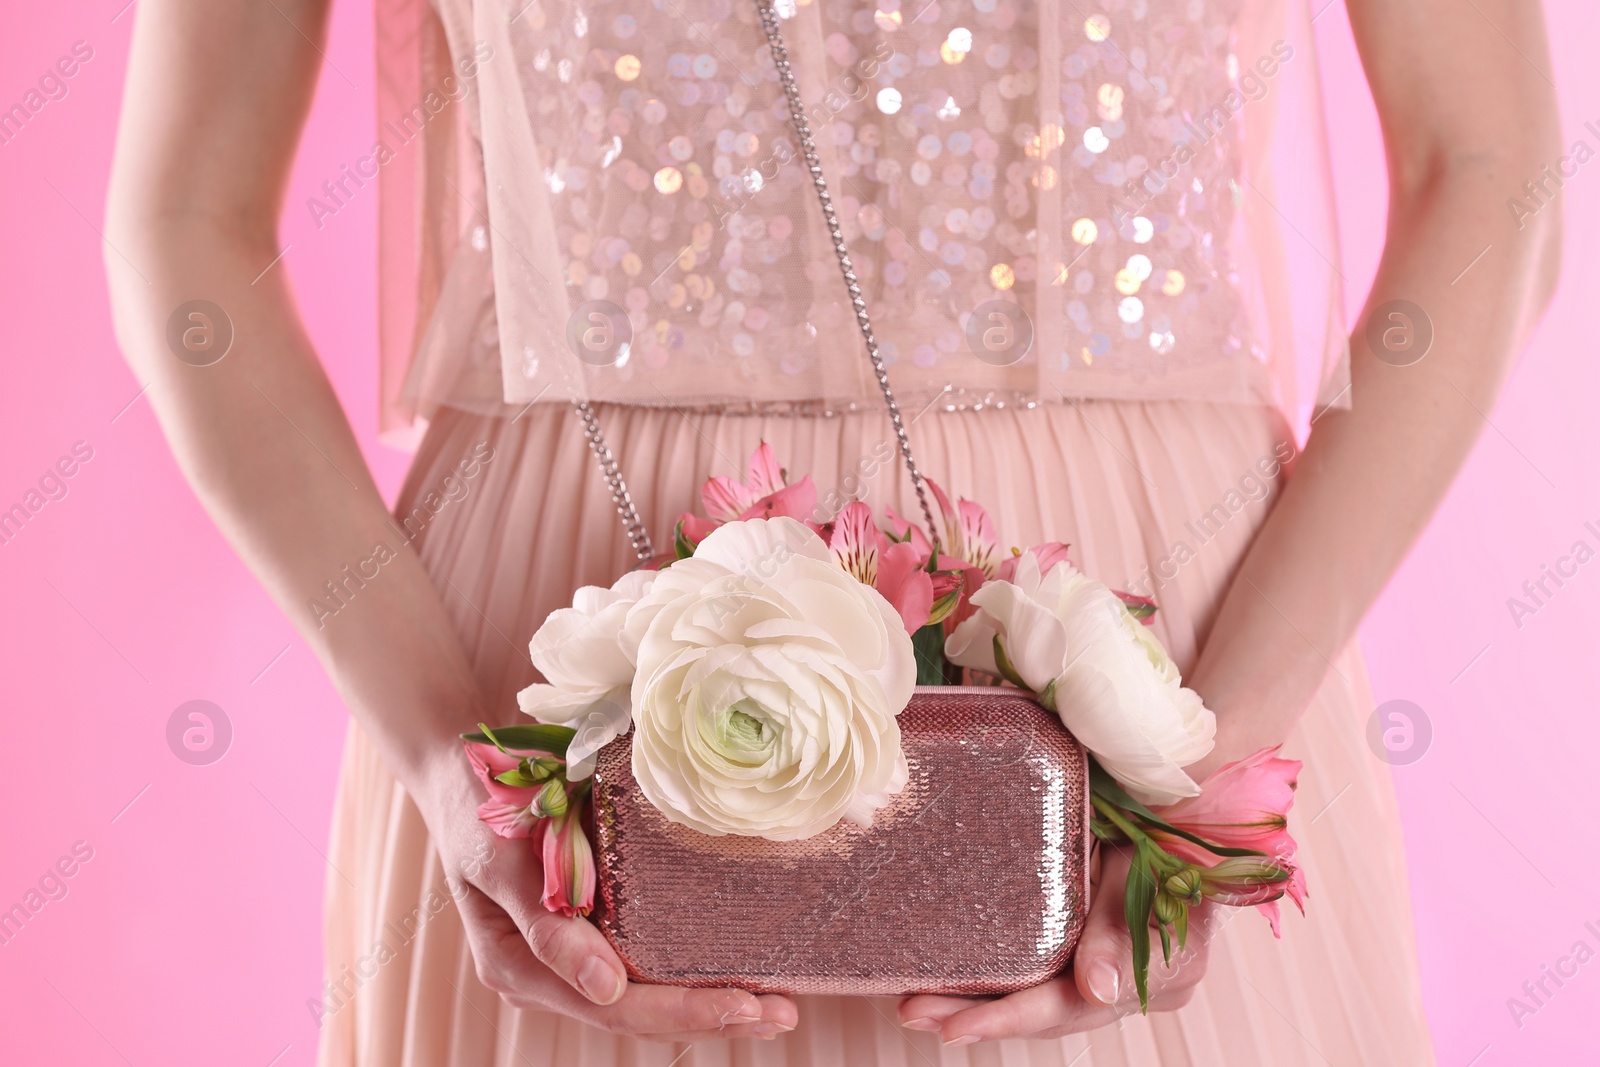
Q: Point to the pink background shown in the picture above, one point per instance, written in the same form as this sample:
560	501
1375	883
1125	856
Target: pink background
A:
192	935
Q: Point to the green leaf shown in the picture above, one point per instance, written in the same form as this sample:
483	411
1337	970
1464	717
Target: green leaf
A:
1103	785
928	644
526	737
1166	944
1138	901
1182	927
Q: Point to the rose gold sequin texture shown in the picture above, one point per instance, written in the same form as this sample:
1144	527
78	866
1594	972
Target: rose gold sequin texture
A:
1111	130
971	881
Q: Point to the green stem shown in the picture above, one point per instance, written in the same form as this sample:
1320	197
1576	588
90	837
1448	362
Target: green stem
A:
1118	819
1103	831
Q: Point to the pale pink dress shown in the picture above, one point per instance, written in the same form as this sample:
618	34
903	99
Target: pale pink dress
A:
545	156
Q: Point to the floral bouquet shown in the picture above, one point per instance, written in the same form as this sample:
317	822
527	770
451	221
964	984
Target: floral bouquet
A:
762	663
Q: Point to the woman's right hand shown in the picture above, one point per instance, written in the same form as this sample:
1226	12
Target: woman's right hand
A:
536	959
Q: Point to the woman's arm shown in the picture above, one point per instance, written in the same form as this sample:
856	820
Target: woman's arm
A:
1468	116
215	101
1466	121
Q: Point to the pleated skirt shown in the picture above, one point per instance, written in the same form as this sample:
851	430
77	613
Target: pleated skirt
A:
1162	498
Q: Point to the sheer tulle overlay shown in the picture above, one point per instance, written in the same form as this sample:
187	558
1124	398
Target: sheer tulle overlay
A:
1162	497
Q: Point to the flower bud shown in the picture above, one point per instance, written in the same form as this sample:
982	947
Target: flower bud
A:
569	874
945	606
1244	880
541	768
1185	885
1169	909
552	799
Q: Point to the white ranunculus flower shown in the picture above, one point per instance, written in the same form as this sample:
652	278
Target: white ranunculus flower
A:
588	667
1114	686
768	684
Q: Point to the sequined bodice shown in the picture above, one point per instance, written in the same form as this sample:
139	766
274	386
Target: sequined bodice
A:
1040	198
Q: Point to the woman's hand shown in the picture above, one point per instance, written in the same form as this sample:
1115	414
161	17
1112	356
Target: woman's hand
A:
537	959
1099	990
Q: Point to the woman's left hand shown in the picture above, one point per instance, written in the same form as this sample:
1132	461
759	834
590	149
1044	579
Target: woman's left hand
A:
1099	990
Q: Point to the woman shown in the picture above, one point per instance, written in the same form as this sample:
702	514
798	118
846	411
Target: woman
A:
1074	231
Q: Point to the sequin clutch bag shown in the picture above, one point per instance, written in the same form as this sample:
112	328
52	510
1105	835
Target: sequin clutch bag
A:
972	881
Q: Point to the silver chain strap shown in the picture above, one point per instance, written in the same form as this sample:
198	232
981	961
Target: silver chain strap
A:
808	148
637	534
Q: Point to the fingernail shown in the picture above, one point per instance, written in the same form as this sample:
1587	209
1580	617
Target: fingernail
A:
772	1029
921	1024
965	1039
1103	981
599	982
738	1007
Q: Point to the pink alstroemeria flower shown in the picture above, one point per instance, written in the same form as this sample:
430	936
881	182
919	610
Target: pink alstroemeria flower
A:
510	811
969	533
1244	804
906	530
891	567
763	495
569	874
969	553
